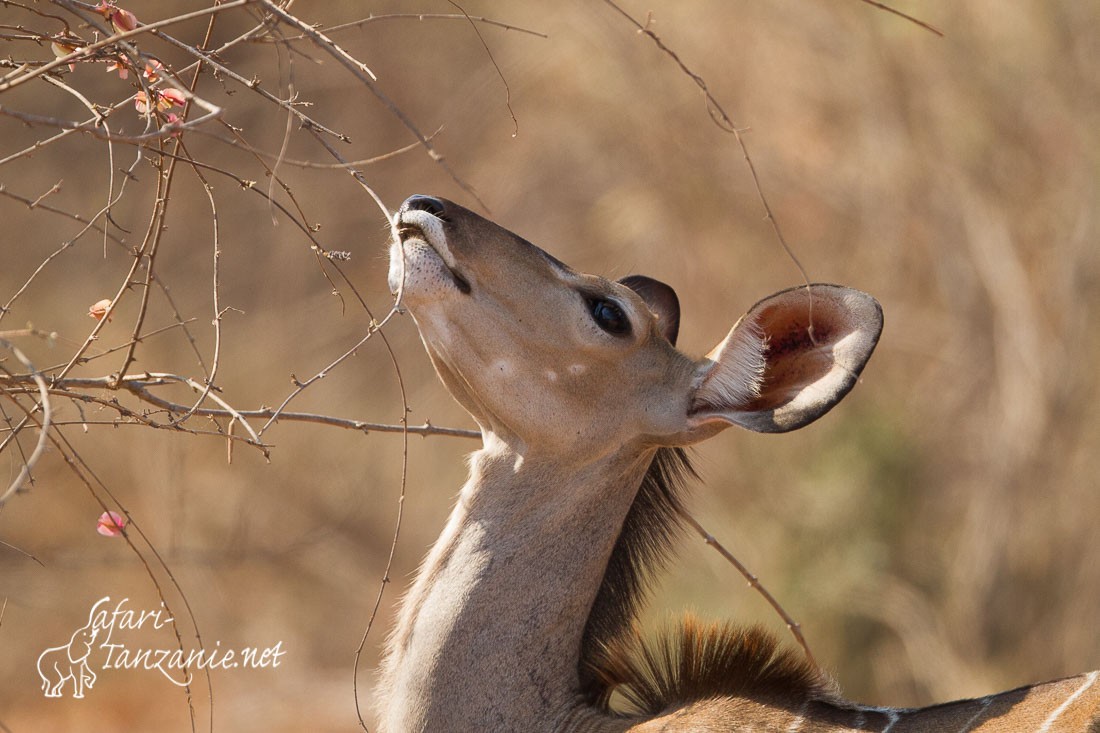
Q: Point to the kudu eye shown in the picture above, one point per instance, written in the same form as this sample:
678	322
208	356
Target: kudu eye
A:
609	316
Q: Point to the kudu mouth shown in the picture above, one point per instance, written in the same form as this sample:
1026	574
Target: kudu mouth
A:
424	218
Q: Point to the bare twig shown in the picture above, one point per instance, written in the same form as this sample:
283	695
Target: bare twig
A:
22	552
87	51
725	122
141	386
910	18
300	386
43	428
493	61
367	78
329	30
210	59
753	581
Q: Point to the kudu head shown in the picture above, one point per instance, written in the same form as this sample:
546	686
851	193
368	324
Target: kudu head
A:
548	359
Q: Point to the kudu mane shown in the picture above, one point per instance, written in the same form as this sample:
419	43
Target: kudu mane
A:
689	661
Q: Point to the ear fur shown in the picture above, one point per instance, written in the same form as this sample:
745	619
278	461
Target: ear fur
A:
774	373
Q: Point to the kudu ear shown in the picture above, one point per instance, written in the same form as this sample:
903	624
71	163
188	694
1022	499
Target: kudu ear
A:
661	299
787	361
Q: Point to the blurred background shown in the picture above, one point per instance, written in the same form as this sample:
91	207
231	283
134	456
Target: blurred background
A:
935	534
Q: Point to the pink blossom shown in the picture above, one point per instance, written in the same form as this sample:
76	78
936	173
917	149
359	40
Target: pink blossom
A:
99	309
165	100
152	70
124	20
121	20
120	64
110	524
171	98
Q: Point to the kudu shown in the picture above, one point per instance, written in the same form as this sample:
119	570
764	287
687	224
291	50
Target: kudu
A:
520	618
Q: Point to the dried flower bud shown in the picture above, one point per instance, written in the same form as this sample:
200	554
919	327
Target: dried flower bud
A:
61	50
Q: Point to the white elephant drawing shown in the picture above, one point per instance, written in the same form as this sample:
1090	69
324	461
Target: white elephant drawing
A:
59	664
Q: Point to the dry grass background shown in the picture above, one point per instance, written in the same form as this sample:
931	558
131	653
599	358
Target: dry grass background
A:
936	534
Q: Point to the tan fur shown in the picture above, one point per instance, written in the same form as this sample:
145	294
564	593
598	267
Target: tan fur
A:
520	618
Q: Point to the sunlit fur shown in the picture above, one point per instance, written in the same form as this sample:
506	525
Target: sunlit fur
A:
693	661
739	368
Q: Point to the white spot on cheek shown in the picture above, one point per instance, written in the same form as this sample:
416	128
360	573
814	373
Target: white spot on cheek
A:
577	369
551	375
504	367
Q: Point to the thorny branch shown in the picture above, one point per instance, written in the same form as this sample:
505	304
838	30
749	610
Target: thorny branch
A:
172	125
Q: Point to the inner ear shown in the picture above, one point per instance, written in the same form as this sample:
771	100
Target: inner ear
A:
801	334
789	360
661	299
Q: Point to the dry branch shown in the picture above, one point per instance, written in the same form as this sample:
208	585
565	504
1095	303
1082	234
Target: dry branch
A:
143	397
45	406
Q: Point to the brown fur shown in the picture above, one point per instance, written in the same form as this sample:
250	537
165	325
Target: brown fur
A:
642	548
698	661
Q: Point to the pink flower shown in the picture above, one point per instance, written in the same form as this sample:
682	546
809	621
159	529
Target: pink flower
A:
120	64
171	98
152	70
124	20
121	20
99	309
110	524
166	100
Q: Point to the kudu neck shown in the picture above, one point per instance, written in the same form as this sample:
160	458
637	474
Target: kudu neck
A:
490	635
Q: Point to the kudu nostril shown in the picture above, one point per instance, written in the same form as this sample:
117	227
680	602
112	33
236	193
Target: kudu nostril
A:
433	206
